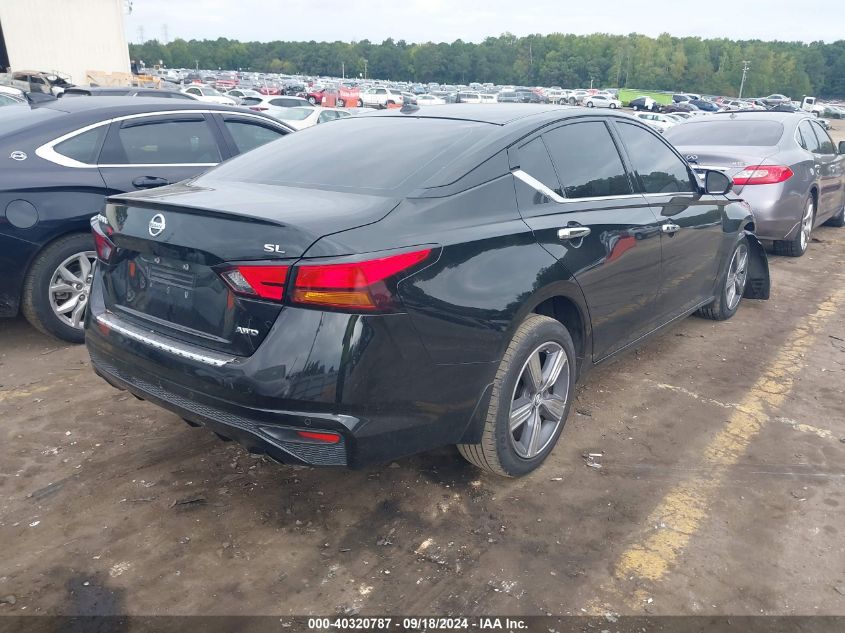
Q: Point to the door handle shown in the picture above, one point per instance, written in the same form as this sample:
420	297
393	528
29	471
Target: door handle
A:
670	228
573	232
148	182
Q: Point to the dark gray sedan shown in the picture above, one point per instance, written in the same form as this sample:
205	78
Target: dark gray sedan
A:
784	165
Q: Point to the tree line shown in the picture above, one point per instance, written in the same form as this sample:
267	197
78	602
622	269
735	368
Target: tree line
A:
707	66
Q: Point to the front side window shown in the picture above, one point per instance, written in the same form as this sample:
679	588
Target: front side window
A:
826	145
587	162
163	142
659	168
83	147
810	141
194	91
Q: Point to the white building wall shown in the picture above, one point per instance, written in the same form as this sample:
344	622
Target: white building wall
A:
68	36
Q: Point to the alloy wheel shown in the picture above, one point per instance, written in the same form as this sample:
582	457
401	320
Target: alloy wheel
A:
70	287
807	225
539	400
737	276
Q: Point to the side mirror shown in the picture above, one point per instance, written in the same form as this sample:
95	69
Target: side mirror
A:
842	147
716	183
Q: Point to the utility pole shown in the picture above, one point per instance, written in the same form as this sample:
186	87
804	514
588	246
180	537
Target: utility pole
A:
343	70
365	69
745	67
164	33
141	39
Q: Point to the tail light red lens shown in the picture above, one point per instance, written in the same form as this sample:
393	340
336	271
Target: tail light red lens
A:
354	286
763	175
261	281
328	438
104	246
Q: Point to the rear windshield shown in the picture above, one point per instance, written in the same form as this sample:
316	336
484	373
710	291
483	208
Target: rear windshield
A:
366	153
726	132
18	117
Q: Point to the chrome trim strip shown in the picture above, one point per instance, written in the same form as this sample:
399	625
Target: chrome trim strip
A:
673	194
47	150
539	186
696	167
162	343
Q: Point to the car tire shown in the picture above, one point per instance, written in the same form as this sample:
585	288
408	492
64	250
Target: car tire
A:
312	101
503	450
590	104
38	299
838	219
572	101
612	106
340	103
360	103
732	283
797	246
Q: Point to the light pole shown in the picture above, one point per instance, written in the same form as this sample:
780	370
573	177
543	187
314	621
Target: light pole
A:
745	67
365	69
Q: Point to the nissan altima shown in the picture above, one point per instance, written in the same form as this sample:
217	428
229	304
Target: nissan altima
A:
339	309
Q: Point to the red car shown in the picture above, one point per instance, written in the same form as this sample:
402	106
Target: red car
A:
314	96
340	97
270	90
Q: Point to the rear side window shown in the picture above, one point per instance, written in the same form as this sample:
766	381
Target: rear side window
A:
826	145
809	141
534	160
660	170
587	162
724	131
249	135
162	142
83	147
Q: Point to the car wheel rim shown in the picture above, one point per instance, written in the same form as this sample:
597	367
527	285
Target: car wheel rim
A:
806	226
539	400
737	276
70	287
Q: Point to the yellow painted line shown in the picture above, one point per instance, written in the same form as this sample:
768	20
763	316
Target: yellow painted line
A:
681	512
14	394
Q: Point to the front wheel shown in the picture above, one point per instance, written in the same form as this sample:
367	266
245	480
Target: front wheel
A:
57	287
612	106
529	402
360	103
312	101
590	104
797	246
340	103
732	286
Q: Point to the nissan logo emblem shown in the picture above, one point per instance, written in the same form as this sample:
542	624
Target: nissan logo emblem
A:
157	225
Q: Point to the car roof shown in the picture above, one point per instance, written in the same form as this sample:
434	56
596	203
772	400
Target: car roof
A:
755	115
498	114
127	105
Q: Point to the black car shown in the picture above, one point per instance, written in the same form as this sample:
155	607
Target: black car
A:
127	91
528	96
336	313
62	158
706	106
644	103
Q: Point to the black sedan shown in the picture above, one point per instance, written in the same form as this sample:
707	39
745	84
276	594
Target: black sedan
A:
62	158
337	312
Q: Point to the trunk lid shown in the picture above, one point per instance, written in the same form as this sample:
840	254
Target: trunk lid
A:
174	242
728	158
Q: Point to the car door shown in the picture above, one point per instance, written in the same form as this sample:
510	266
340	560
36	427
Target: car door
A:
830	168
693	243
576	195
142	152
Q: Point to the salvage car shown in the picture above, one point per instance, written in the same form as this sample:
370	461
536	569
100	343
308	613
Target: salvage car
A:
332	312
62	158
784	165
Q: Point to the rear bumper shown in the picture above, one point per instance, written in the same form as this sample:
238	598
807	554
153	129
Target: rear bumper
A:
368	379
777	211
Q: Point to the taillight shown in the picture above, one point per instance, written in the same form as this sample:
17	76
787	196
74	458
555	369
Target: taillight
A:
328	438
361	286
261	281
104	246
763	175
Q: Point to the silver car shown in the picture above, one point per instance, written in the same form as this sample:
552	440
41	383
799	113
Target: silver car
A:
785	165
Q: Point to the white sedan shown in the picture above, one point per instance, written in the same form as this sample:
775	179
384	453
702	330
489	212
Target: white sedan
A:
427	99
602	101
209	95
274	105
659	122
302	117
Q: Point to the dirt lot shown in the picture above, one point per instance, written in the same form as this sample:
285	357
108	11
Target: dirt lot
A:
721	490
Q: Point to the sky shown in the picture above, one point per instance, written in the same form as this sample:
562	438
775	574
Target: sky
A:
473	20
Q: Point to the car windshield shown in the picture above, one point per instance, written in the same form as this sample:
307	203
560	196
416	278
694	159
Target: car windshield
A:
741	133
296	114
210	92
391	152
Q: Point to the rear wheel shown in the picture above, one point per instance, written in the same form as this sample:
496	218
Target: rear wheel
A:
340	103
612	106
529	402
797	246
732	287
590	104
360	103
312	100
58	285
